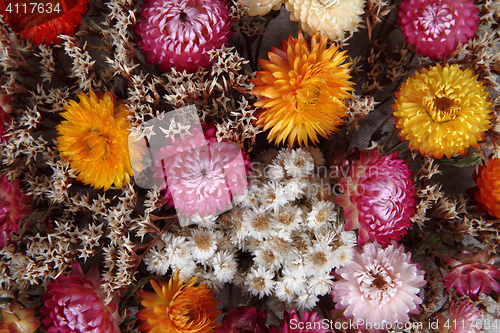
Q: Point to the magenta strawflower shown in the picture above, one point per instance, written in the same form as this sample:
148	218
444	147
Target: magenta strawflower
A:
472	275
293	323
13	208
435	28
244	320
464	318
379	285
378	198
179	33
74	304
200	174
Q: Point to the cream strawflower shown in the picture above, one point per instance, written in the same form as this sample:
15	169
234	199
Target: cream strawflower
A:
260	281
379	285
225	266
331	17
260	7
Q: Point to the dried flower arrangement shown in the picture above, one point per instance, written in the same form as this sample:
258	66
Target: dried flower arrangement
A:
151	175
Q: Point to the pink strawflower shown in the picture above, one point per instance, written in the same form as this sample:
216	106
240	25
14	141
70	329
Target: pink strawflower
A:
378	198
201	174
462	319
472	275
435	28
243	320
74	304
309	323
13	208
379	285
5	119
179	33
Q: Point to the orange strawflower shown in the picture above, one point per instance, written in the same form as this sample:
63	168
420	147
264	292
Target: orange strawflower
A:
442	110
488	188
18	320
42	21
94	138
178	308
301	90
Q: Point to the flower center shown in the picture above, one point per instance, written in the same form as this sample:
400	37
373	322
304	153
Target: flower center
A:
182	17
436	19
308	96
441	108
377	285
329	3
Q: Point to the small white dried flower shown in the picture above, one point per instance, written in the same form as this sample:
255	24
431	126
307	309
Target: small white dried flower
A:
321	215
225	266
320	284
298	163
260	281
204	243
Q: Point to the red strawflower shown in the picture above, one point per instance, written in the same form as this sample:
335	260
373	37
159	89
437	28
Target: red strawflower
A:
13	208
46	20
243	320
472	275
293	323
75	304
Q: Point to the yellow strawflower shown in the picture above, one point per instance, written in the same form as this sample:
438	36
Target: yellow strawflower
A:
442	110
301	90
94	138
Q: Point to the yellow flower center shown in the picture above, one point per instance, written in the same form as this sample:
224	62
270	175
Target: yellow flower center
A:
96	145
441	108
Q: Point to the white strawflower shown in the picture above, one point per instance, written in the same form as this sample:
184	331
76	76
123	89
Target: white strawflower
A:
208	278
320	284
252	197
295	188
207	221
294	281
204	243
275	172
260	7
260	281
330	17
157	262
178	251
283	293
348	238
257	223
186	269
273	196
319	258
288	218
306	301
322	215
298	163
225	266
265	256
343	255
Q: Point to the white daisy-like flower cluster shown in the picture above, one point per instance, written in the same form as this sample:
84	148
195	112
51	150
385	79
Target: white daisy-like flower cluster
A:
282	238
288	222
